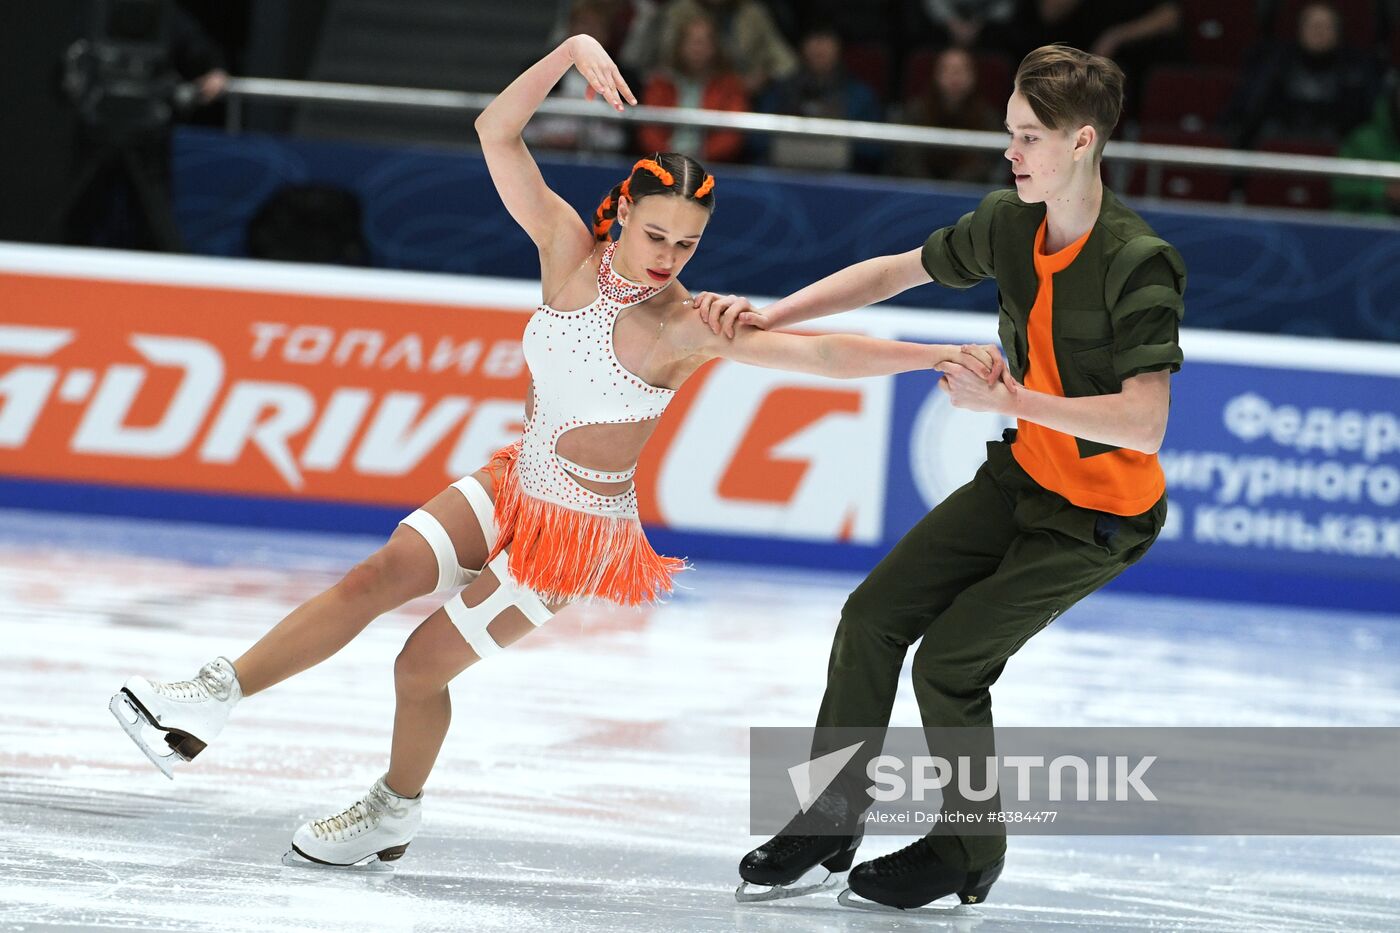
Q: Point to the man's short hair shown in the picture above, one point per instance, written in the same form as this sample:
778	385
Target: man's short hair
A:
1068	88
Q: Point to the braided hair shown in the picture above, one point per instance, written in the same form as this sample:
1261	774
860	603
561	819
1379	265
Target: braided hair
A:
660	173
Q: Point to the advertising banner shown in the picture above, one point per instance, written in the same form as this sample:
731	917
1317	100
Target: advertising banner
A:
307	397
1283	481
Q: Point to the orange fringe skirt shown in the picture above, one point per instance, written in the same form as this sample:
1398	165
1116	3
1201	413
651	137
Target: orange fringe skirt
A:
567	555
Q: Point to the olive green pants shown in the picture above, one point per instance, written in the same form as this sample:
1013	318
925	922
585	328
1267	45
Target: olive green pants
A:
992	565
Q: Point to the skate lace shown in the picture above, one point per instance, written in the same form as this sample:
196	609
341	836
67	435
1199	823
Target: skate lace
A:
211	681
912	857
217	679
364	813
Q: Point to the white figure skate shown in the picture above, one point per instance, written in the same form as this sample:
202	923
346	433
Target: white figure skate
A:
187	715
369	835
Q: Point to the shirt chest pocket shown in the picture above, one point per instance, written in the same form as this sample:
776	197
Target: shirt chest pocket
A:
1085	342
1092	372
1089	371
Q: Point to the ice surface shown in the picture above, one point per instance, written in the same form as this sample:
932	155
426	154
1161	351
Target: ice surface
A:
595	778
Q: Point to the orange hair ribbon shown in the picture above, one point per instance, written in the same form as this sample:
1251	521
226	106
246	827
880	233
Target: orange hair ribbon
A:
651	165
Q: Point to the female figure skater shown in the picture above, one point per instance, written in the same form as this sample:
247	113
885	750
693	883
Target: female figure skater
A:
552	518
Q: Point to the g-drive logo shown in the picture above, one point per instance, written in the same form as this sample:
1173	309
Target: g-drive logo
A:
299	427
1103	778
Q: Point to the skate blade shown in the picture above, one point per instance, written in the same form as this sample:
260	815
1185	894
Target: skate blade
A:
849	898
748	893
134	723
370	865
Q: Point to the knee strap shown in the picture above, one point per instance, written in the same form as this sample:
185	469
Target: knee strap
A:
473	621
523	597
481	505
449	573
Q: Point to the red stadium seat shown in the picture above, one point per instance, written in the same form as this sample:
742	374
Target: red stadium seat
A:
995	75
1177	182
1219	32
918	72
1360	20
1186	97
1277	189
869	62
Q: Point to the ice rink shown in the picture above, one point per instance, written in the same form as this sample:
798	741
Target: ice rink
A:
595	778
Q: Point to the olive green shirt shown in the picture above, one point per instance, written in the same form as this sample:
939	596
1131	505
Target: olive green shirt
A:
1117	307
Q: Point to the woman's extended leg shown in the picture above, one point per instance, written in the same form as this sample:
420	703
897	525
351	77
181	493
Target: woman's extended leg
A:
444	544
407	566
491	613
439	650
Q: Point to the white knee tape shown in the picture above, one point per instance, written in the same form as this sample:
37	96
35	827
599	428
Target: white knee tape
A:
524	599
474	621
481	505
449	573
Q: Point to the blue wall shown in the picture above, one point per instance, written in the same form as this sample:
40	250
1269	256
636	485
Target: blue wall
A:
433	210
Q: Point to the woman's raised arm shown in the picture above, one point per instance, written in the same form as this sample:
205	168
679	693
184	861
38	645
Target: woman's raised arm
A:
556	228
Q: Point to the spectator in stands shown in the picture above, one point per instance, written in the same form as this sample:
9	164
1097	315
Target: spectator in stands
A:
629	32
1379	139
638	53
1382	13
820	88
878	22
954	101
696	74
746	32
1138	26
1135	34
1310	88
1111	27
589	18
963	22
613	19
120	190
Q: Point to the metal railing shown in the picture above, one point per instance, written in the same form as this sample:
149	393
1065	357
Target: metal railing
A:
276	89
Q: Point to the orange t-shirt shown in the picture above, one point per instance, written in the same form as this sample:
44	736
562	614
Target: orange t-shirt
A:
1124	482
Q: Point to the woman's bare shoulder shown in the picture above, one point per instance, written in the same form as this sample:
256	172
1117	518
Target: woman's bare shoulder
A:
685	330
671	301
678	305
678	294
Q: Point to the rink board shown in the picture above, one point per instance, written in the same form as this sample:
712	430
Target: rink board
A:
312	397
